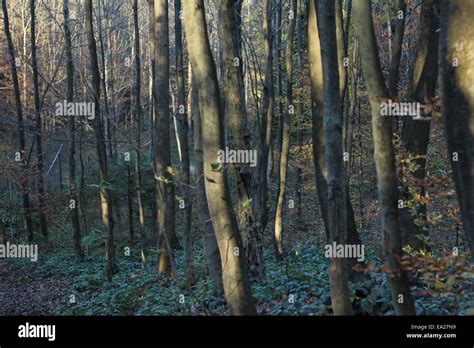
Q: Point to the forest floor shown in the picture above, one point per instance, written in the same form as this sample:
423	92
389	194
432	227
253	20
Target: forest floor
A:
299	286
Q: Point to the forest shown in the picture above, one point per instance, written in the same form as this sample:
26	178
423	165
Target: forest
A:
236	157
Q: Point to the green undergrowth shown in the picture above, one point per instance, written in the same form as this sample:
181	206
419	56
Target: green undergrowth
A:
297	286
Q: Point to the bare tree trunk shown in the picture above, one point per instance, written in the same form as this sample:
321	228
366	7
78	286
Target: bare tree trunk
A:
184	131
235	111
384	158
300	24
396	44
266	127
416	133
21	128
457	95
72	136
138	140
286	135
234	268
38	126
105	193
279	90
333	120
163	171
211	249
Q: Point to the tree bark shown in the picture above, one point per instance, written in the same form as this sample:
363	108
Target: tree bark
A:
415	133
457	96
384	157
235	112
333	122
38	126
234	268
211	248
266	127
21	127
105	193
286	135
184	131
72	136
163	171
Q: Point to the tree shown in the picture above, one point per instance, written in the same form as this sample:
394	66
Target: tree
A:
384	157
318	134
38	126
211	248
20	123
286	134
416	132
266	126
72	136
163	170
184	142
457	96
234	268
138	141
235	113
104	185
333	121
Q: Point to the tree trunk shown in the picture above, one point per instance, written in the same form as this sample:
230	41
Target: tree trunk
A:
300	24
21	128
285	140
279	90
396	44
415	133
261	210
184	131
333	121
211	249
138	141
457	95
384	157
163	171
105	193
235	111
72	136
38	126
234	274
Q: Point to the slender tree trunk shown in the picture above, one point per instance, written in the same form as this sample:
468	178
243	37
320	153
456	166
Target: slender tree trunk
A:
235	111
266	127
384	157
300	24
211	248
234	268
38	126
163	171
333	120
184	131
457	95
72	136
21	127
285	141
397	46
105	193
416	133
279	88
138	140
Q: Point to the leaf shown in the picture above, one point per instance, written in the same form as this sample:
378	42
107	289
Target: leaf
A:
247	204
216	167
